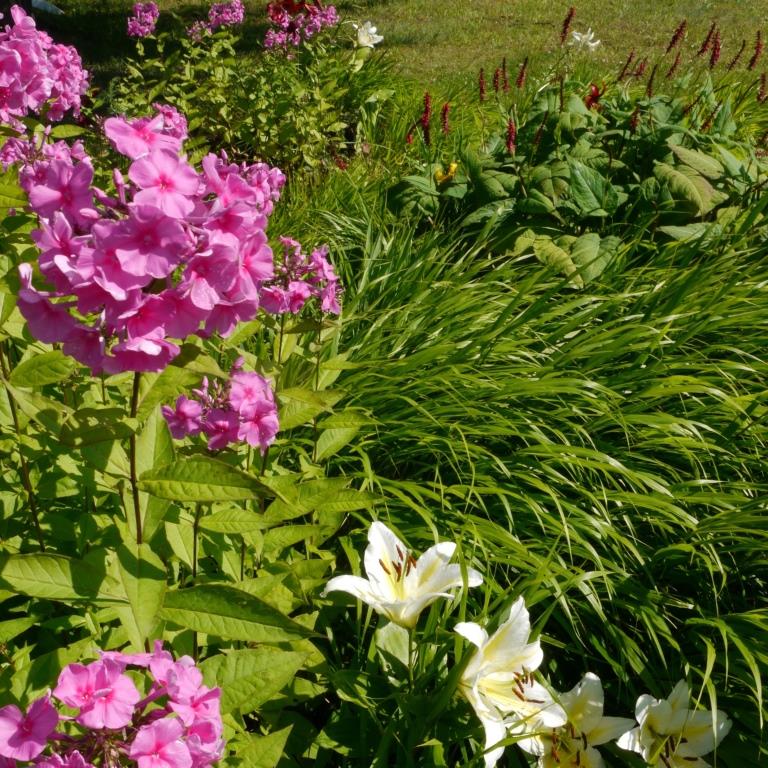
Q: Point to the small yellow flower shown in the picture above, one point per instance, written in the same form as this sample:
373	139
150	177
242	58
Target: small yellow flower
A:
441	177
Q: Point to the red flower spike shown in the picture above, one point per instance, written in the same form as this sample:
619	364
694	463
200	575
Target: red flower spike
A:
496	79
678	35
714	56
511	136
735	60
762	94
522	74
707	40
758	51
481	84
675	64
627	65
567	21
444	124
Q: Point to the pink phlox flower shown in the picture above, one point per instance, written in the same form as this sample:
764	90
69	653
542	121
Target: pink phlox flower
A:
226	14
136	138
174	122
166	181
298	292
144	19
67	188
203	704
259	428
221	428
247	391
204	742
225	316
63	255
160	663
126	659
48	322
159	745
148	318
149	243
148	354
23	736
71	760
87	346
185	419
184	317
207	277
274	300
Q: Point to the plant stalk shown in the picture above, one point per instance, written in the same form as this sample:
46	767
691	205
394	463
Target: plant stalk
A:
132	457
25	478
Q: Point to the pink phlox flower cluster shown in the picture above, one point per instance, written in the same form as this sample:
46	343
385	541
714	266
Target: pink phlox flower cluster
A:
173	252
36	73
175	723
299	278
290	29
243	409
144	19
226	14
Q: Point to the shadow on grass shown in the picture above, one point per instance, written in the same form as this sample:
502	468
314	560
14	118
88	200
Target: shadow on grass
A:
98	31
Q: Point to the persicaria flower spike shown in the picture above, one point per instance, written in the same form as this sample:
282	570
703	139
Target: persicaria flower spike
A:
511	142
677	36
398	585
758	51
567	21
522	74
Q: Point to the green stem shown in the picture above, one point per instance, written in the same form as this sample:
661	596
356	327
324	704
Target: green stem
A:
411	655
195	530
132	458
318	333
25	478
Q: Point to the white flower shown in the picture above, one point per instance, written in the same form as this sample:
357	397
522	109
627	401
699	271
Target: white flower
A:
366	35
398	585
582	39
574	743
498	680
670	735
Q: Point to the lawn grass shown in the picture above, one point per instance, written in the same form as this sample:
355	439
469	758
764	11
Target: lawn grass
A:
447	42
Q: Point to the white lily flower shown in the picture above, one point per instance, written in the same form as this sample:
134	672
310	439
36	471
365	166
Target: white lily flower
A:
498	680
366	35
584	39
574	743
670	735
399	586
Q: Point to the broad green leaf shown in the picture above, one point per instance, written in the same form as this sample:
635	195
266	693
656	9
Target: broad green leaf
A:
14	627
67	131
591	191
154	448
277	539
250	677
49	414
57	577
551	178
263	751
586	255
194	359
299	406
229	613
45	368
236	521
553	256
90	425
687	185
143	577
200	478
11	194
702	163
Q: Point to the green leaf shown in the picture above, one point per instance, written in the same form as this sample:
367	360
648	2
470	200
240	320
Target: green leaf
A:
588	257
250	677
11	194
299	406
49	414
45	368
67	131
142	574
263	751
235	520
90	425
200	478
56	577
687	185
591	191
703	164
229	613
165	388
14	627
552	255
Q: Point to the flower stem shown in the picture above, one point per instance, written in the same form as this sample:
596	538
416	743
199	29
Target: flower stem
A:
132	457
195	530
25	478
